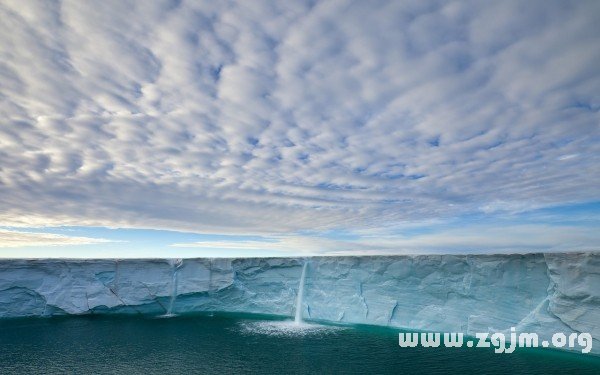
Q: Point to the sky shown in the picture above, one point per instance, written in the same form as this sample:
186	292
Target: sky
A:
274	128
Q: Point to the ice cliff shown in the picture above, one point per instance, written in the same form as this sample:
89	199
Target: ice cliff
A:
543	293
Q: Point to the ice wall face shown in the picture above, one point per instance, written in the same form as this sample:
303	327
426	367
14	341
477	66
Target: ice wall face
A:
542	293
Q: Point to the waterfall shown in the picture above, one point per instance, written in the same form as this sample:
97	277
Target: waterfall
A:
300	297
175	264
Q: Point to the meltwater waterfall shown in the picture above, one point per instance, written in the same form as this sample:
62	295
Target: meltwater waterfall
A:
300	297
175	263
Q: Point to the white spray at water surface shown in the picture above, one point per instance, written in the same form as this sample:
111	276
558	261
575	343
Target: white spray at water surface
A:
300	298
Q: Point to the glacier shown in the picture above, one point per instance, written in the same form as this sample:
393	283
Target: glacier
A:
542	293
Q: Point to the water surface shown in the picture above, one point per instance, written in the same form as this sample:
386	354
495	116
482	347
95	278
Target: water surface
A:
242	344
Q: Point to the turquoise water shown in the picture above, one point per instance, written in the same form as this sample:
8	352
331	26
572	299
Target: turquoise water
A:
241	344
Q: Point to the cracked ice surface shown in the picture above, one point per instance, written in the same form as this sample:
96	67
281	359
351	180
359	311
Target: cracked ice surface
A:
543	293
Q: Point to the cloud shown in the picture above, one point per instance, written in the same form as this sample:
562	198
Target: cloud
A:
13	239
279	245
266	117
474	239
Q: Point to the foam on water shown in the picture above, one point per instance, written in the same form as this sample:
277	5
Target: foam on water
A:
166	316
285	328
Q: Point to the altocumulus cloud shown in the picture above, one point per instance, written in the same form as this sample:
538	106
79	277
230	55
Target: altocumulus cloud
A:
273	117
